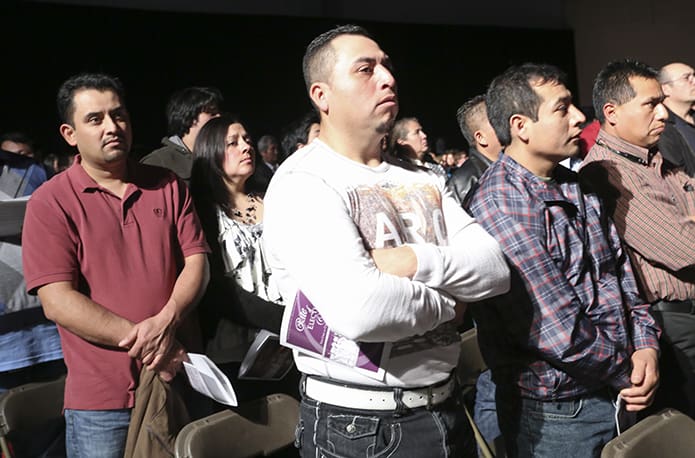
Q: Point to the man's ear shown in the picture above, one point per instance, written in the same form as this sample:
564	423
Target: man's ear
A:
610	112
68	133
480	138
318	95
518	127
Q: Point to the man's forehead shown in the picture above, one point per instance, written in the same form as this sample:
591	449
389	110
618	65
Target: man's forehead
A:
550	91
646	87
355	47
95	100
677	69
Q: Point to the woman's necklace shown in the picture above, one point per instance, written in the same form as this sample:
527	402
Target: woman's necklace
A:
248	216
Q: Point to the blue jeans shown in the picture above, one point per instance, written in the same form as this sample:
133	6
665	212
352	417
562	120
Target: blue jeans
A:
96	433
330	431
574	428
485	409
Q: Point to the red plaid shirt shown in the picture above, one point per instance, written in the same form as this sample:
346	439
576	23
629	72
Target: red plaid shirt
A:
573	316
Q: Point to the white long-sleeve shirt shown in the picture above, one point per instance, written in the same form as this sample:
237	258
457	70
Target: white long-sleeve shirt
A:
324	212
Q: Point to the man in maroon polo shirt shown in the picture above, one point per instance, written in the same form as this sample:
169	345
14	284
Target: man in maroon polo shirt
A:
115	252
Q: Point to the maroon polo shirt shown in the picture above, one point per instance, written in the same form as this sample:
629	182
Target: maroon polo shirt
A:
125	254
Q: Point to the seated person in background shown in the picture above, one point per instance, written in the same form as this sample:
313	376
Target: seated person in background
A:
573	331
241	294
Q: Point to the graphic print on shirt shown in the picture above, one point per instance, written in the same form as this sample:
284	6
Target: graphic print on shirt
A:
390	215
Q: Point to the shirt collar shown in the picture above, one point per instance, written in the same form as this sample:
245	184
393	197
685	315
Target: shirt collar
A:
619	146
84	182
676	120
546	190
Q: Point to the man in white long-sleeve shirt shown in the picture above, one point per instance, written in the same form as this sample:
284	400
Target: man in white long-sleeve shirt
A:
385	254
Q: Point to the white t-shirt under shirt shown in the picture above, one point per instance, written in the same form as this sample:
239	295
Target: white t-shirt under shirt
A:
324	212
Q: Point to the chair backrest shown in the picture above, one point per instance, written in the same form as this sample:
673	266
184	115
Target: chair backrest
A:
668	433
31	406
257	428
471	362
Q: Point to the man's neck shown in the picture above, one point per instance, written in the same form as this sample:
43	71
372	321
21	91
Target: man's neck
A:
538	165
189	141
365	149
682	110
112	176
492	156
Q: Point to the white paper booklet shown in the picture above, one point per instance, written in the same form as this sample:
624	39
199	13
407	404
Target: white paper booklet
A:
206	378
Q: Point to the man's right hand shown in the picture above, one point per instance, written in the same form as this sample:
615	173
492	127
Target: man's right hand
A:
170	364
399	261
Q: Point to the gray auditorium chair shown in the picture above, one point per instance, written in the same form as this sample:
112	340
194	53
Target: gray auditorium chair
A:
30	407
257	428
471	362
668	433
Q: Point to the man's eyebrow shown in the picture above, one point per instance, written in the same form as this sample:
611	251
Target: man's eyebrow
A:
385	61
365	60
92	113
566	98
655	100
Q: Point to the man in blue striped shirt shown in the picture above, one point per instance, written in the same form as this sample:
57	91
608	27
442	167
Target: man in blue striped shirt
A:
572	332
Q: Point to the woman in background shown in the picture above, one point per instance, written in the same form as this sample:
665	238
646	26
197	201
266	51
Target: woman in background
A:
242	296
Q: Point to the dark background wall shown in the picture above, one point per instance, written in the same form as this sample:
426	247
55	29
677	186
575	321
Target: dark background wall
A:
255	61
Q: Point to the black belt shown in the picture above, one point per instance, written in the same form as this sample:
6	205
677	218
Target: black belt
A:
686	306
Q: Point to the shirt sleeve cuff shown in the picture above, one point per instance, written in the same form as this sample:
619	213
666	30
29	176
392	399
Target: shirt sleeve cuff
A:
430	269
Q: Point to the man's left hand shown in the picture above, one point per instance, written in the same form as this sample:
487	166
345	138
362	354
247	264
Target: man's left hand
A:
151	339
644	379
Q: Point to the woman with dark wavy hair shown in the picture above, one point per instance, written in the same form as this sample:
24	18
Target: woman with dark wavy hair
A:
242	296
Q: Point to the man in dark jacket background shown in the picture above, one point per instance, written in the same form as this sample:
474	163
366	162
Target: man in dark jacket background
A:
482	141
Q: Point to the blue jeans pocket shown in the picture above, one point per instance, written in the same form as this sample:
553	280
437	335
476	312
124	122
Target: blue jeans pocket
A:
357	435
553	410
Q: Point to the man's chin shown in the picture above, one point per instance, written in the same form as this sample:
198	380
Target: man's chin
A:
114	156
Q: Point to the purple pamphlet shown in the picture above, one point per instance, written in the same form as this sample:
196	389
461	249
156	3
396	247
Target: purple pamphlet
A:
307	332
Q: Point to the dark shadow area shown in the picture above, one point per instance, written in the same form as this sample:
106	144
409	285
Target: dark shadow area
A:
254	60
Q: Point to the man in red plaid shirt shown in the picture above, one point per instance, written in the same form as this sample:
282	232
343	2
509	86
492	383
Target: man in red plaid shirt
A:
572	332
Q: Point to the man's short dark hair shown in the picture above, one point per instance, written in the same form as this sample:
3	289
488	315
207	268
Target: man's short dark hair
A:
612	84
466	116
513	92
99	81
319	56
185	105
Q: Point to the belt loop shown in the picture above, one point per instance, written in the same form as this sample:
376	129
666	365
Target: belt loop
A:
302	385
401	408
429	398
